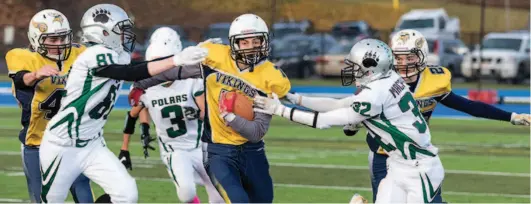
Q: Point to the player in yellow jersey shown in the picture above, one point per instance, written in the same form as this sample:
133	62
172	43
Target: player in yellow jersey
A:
39	75
236	160
430	84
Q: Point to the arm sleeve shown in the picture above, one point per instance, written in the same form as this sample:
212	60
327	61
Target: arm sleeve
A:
363	107
129	72
170	75
475	108
18	79
254	130
322	104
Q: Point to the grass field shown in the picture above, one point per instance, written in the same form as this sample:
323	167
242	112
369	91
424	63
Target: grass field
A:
485	161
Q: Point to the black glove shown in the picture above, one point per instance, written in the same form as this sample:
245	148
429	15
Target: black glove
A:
125	158
145	139
190	113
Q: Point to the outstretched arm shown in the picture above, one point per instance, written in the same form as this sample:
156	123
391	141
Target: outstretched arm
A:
320	104
482	110
321	120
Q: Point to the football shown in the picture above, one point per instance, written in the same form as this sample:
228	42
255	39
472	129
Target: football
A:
241	104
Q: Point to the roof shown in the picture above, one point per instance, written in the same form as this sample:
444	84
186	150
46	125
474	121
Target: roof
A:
424	13
516	35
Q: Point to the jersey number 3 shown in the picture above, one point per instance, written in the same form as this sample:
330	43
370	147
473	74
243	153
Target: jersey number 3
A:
407	102
52	104
178	120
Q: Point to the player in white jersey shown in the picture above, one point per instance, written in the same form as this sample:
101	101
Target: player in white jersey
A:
73	143
385	106
177	109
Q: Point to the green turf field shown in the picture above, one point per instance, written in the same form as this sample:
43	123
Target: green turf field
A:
485	161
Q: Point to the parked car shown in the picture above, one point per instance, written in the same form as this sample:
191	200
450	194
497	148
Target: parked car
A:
447	53
333	61
294	55
429	22
505	56
353	29
281	29
218	30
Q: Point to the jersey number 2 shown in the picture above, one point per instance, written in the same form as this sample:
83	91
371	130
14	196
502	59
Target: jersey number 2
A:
407	102
52	104
178	120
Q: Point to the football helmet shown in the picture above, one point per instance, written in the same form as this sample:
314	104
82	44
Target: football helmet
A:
109	25
50	23
368	60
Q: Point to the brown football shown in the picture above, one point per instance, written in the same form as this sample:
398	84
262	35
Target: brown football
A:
243	106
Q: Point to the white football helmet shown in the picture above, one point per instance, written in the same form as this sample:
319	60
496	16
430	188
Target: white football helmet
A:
167	36
160	49
407	42
246	26
50	23
109	25
368	60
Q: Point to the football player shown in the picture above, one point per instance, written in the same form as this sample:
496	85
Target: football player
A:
73	141
386	107
236	159
430	85
178	134
39	75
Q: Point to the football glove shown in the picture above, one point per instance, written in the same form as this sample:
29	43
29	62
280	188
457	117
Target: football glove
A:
190	56
145	139
268	106
294	98
351	130
520	119
190	113
125	158
134	96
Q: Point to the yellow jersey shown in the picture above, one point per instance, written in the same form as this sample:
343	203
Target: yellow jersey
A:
434	83
221	74
40	102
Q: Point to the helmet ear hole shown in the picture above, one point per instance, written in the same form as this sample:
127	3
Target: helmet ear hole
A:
105	33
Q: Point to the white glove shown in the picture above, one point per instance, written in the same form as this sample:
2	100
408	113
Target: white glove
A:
520	119
210	40
190	56
294	98
268	105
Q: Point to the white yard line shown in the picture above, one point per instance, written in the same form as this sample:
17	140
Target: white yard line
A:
289	185
149	162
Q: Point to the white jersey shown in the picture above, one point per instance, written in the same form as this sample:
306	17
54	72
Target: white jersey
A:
390	113
89	99
175	113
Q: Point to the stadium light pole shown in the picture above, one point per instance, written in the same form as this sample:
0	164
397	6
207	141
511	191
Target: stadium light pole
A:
481	33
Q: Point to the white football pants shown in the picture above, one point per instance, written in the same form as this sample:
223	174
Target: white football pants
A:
184	168
411	181
62	164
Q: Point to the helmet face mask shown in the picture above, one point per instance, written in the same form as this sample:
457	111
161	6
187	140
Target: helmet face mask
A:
128	37
408	64
250	50
55	46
